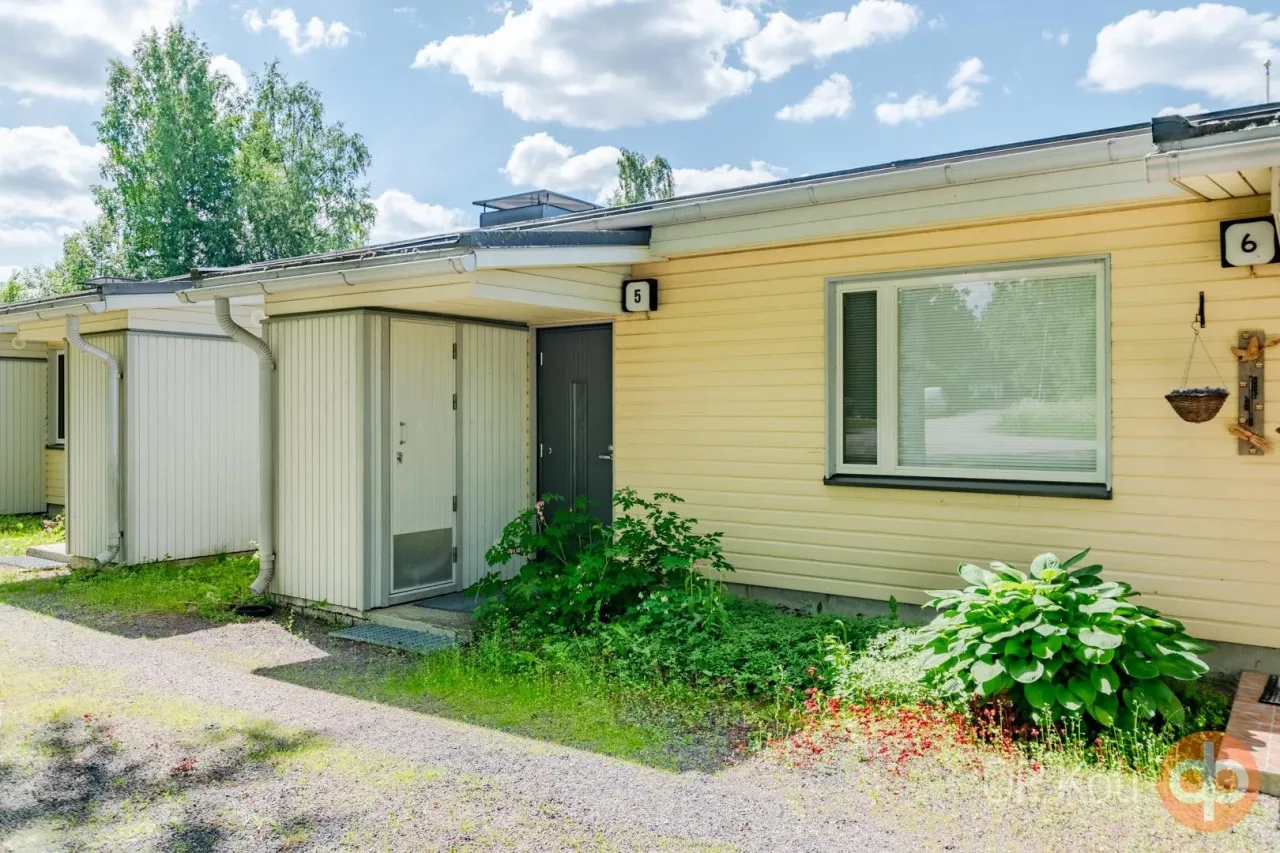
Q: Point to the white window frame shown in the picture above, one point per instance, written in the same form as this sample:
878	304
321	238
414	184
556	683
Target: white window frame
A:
887	288
57	397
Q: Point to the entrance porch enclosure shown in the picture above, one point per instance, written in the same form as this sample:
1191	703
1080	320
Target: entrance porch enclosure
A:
404	402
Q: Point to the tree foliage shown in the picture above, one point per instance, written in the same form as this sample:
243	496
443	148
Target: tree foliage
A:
197	173
298	178
641	179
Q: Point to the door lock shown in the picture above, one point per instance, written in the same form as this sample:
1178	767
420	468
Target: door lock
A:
608	457
399	456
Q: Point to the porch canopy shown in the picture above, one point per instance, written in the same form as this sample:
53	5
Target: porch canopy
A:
523	277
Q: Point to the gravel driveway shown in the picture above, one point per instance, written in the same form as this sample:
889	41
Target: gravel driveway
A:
111	743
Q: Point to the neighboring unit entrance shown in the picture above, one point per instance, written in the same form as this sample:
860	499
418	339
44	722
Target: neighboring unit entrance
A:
575	415
424	454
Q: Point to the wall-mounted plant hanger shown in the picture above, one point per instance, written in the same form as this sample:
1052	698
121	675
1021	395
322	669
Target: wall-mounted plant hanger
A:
1251	355
1197	405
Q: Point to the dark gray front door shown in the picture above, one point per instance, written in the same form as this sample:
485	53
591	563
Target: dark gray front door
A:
575	415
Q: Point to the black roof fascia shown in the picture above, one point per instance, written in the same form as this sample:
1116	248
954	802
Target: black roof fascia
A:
28	305
1167	129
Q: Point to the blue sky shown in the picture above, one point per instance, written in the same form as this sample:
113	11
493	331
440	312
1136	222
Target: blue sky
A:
462	100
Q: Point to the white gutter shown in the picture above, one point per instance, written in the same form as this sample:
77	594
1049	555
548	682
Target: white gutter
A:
1130	146
1258	153
115	527
1275	195
266	441
363	270
289	279
71	308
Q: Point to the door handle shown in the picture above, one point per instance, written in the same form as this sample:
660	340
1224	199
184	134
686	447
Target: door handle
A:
606	457
403	440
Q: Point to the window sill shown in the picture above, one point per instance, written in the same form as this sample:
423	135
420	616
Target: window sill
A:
1088	491
56	445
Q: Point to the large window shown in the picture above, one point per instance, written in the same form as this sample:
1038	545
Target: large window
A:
57	398
995	375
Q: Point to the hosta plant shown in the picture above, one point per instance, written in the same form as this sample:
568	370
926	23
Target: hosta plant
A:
1058	642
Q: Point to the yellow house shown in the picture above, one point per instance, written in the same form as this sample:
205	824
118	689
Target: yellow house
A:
862	378
134	413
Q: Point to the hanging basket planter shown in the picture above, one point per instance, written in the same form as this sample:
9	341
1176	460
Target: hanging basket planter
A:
1197	405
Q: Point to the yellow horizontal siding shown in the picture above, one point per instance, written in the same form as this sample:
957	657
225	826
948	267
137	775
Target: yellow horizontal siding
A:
720	398
55	476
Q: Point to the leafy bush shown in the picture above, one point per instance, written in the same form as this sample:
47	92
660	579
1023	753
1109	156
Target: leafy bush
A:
1059	643
579	572
1050	419
751	648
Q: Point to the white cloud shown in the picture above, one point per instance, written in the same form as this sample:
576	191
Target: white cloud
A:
45	174
60	48
1211	48
299	37
540	161
937	22
832	98
1191	109
26	102
229	68
604	64
45	178
27	236
964	93
726	177
543	162
403	217
784	42
1062	37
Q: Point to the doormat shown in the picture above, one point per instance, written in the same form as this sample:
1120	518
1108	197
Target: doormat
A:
457	602
1271	695
395	638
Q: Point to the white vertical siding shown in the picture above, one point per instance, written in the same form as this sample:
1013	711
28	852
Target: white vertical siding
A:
377	461
23	384
87	442
493	414
320	445
191	436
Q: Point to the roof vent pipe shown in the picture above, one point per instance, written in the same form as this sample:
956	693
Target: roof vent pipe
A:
115	536
266	441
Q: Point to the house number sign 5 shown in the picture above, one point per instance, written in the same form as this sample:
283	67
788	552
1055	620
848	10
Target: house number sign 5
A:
640	295
1249	242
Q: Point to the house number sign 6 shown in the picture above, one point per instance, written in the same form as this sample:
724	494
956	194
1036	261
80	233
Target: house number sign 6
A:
1249	242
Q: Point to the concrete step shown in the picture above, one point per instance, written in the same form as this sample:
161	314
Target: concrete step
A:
54	551
413	617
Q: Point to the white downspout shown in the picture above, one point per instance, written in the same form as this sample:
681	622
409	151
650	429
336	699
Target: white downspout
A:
114	526
266	441
1275	195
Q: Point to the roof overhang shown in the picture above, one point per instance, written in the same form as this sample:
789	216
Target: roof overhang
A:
91	302
1232	157
391	268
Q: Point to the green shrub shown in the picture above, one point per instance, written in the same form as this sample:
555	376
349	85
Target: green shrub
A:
751	648
579	573
1050	418
1059	643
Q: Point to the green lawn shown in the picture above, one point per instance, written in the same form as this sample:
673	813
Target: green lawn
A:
206	589
20	532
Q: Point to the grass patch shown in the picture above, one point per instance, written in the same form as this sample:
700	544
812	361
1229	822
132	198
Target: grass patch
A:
206	589
20	532
1050	419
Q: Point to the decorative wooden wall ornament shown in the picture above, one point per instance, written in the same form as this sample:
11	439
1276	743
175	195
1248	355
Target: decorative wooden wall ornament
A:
1251	355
